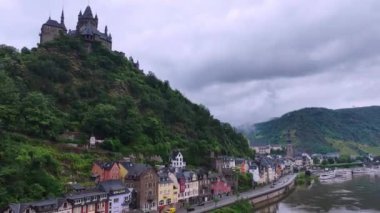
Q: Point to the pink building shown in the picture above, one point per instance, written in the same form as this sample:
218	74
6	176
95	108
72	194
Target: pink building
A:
219	186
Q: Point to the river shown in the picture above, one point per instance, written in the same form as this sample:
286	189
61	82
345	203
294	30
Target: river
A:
360	194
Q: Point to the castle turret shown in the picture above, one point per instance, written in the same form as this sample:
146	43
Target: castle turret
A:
106	30
96	20
51	29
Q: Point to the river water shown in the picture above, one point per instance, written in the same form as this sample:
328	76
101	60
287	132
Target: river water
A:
360	194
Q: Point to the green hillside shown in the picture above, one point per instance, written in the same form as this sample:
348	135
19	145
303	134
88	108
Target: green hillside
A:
68	86
350	131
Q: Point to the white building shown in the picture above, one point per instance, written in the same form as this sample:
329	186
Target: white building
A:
119	196
94	141
266	149
254	170
307	160
298	161
177	161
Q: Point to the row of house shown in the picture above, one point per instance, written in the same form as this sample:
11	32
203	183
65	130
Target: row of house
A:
107	197
170	186
125	185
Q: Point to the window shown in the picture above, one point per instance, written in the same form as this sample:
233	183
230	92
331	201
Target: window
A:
168	201
110	204
27	211
161	202
116	200
65	205
91	207
77	210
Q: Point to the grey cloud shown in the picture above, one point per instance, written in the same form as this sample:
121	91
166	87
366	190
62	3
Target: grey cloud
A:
246	60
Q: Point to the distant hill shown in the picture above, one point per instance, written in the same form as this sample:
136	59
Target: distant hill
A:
71	86
350	131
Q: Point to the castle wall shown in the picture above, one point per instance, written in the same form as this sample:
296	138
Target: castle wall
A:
105	43
49	33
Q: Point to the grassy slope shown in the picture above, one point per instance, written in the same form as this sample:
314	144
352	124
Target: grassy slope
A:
351	131
32	169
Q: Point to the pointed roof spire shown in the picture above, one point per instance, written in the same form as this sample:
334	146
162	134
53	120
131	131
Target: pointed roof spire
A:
62	18
80	13
96	16
106	30
88	13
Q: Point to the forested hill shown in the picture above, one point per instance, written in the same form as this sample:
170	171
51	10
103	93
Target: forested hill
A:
61	86
350	131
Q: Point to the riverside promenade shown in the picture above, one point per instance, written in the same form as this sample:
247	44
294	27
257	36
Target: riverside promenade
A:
261	194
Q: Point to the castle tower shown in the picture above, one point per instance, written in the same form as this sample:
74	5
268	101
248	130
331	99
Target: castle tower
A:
87	28
51	29
289	146
87	20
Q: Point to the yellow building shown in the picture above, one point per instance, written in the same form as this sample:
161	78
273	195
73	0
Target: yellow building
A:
167	191
123	170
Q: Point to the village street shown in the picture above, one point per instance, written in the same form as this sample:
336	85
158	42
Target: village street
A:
245	195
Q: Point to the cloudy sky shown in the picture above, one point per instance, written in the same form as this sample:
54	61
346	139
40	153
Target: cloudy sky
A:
246	60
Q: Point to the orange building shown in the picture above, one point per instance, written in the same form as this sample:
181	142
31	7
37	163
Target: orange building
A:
105	171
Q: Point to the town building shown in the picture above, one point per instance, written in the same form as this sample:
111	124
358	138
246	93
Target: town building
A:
167	190
298	161
189	186
241	165
119	196
143	179
56	205
105	171
86	29
262	150
267	170
204	192
254	171
177	161
307	160
223	162
90	201
219	186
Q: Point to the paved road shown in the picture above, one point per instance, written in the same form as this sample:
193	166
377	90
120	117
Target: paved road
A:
233	198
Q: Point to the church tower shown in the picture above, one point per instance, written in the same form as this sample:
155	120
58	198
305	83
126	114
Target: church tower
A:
289	146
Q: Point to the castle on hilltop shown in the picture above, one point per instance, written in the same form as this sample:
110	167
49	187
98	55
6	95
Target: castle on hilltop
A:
87	28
